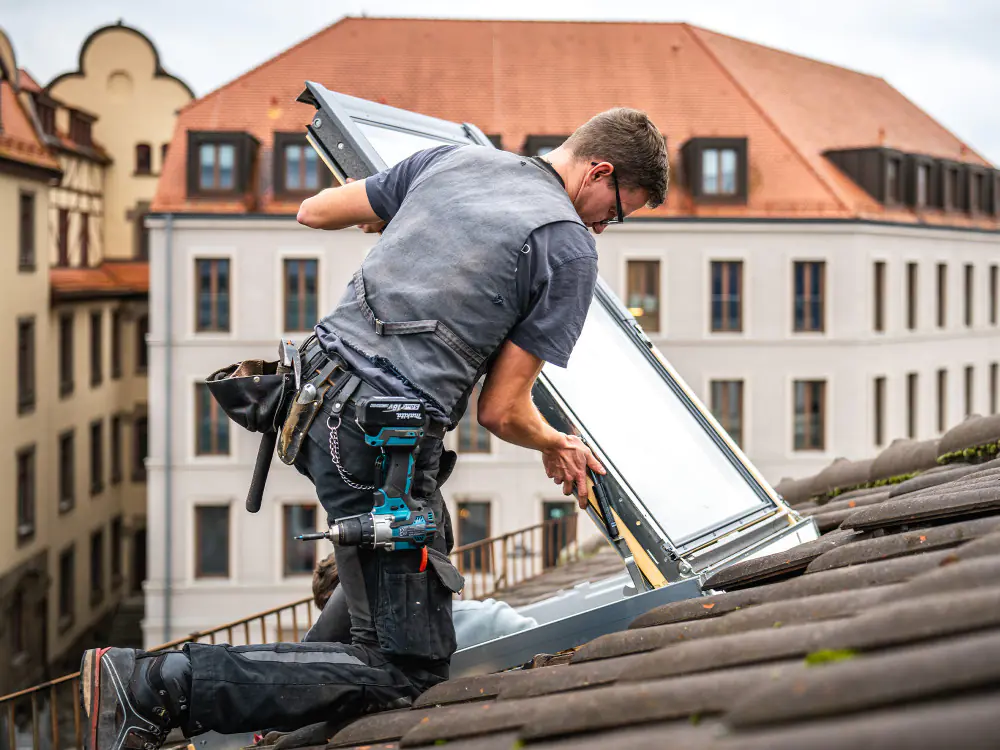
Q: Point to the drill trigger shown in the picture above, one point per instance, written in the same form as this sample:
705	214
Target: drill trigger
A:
423	559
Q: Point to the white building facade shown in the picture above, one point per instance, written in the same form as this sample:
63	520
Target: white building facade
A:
858	387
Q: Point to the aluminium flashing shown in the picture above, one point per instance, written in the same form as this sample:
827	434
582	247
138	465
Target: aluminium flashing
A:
675	529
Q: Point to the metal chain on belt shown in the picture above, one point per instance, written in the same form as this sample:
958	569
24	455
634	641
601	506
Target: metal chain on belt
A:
335	456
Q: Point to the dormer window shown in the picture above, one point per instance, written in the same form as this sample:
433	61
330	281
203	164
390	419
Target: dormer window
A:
297	168
79	129
219	163
46	117
950	182
216	166
923	185
716	169
892	182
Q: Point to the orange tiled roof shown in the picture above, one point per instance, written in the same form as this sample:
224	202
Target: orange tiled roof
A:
109	279
18	141
28	82
521	78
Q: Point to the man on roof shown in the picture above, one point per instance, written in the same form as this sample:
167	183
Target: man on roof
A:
494	249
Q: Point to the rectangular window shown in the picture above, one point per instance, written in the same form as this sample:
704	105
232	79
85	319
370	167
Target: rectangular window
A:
18	627
67	586
96	349
942	295
117	535
994	284
26	493
96	567
116	344
912	383
216	166
26	233
560	519
141	353
994	386
139	445
212	283
46	117
79	129
969	294
942	400
212	425
300	557
84	240
892	181
810	415
211	531
923	180
301	167
300	293
67	471
911	296
810	284
62	241
879	301
727	407
643	293
96	457
471	436
879	411
718	171
25	365
65	354
951	196
970	390
727	295
474	526
116	449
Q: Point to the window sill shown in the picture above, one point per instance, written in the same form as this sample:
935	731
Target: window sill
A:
65	506
65	389
65	623
141	371
96	597
116	479
24	408
26	269
139	477
96	489
96	383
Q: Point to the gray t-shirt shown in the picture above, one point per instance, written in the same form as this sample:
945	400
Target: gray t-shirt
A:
555	283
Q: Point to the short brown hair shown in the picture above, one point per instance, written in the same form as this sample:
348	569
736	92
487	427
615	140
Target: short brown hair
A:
627	139
325	580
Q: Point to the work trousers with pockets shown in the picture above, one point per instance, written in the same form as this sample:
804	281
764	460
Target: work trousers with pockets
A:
400	644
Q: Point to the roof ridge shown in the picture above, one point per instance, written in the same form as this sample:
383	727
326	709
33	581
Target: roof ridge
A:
268	62
767	119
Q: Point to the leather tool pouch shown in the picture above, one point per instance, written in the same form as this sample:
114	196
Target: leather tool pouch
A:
296	427
253	394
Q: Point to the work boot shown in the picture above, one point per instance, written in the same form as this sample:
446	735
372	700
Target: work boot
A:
131	698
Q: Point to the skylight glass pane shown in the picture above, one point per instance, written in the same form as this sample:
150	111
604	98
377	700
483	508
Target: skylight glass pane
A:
395	145
678	472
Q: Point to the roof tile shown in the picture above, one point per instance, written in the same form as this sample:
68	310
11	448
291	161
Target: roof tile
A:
909	509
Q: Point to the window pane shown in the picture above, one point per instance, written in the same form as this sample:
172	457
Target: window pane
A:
643	293
728	172
472	436
222	294
212	540
292	322
206	161
300	557
312	168
227	159
310	302
293	166
474	526
710	171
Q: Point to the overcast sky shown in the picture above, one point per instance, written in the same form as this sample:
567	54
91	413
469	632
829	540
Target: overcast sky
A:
942	54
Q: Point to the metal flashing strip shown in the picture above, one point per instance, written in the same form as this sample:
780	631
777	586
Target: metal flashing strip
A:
566	632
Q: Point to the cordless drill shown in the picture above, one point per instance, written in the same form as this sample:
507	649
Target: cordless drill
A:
397	522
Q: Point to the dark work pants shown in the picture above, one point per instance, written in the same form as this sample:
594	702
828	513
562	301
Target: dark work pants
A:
288	685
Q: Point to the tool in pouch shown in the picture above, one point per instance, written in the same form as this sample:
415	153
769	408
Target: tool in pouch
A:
398	521
605	520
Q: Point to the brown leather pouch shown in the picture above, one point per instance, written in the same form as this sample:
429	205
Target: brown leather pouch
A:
252	393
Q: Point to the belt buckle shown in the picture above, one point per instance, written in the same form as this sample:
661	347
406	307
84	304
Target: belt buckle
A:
379	327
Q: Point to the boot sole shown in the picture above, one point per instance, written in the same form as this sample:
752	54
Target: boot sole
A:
90	692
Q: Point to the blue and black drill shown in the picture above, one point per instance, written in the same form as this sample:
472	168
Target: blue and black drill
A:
397	522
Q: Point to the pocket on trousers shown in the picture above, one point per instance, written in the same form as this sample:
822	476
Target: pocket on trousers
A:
413	617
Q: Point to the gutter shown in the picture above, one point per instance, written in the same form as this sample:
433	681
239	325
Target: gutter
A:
168	428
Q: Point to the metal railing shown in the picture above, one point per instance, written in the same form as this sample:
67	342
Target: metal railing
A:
27	718
500	562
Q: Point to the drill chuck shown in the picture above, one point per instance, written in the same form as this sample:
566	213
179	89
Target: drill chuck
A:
367	530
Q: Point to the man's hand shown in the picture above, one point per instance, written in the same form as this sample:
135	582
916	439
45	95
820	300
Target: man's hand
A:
567	465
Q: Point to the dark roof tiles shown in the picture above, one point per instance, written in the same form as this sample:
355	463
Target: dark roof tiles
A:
843	474
904	457
931	479
908	509
973	431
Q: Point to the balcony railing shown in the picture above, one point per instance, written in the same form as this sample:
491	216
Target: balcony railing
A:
500	562
27	718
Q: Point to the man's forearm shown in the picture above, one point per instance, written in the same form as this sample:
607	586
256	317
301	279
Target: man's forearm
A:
522	425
